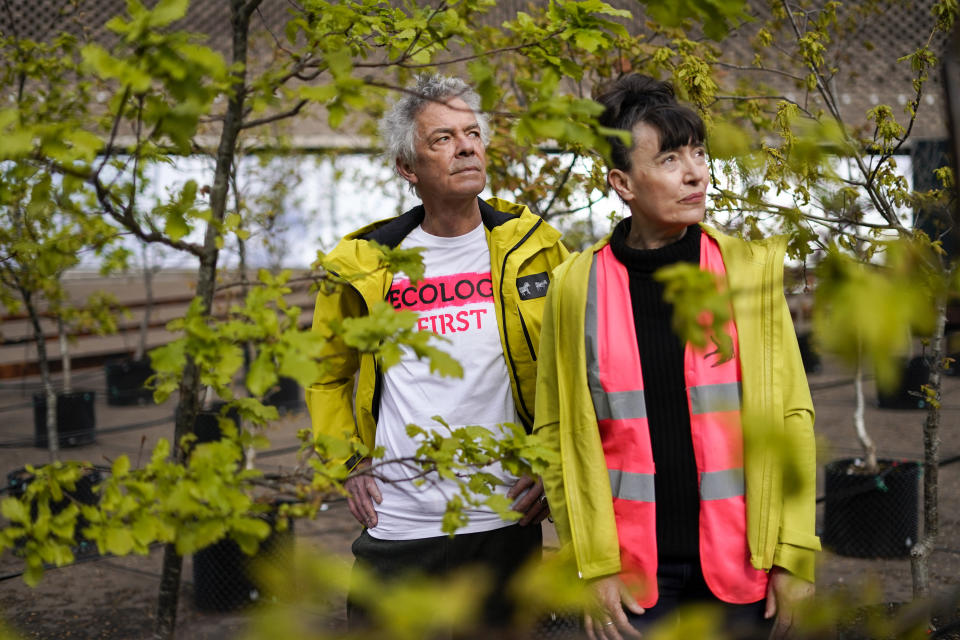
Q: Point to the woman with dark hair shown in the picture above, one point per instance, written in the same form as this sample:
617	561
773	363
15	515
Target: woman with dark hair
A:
686	476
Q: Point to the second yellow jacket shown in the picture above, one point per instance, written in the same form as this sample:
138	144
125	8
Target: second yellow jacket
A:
777	414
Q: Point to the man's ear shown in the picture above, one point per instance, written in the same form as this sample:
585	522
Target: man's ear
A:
406	171
620	182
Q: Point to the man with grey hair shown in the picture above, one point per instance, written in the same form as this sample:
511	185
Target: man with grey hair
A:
487	269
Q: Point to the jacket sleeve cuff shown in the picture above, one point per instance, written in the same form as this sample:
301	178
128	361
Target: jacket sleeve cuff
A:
799	561
354	461
600	569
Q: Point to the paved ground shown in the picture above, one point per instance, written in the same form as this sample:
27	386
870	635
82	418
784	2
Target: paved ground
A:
115	598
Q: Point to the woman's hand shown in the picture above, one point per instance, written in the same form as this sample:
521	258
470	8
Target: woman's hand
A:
607	620
784	592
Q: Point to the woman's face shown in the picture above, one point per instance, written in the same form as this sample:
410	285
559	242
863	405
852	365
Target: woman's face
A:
665	190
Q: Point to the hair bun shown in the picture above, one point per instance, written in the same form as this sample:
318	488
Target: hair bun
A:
641	88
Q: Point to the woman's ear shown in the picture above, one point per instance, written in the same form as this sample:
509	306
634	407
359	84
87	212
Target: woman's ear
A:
620	182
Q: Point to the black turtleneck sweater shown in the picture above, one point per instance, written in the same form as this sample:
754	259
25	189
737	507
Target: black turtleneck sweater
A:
661	359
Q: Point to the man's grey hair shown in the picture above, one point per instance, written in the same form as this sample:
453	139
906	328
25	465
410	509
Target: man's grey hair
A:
398	127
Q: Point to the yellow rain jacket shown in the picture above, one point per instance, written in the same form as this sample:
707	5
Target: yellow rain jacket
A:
777	414
521	244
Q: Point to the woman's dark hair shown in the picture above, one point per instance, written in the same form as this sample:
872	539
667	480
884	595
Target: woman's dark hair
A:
638	98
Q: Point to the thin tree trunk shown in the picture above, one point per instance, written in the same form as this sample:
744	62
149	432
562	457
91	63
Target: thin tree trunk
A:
141	351
869	448
920	554
250	452
53	439
65	357
188	407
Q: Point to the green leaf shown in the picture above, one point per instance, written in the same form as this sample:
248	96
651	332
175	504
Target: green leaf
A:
167	12
701	308
205	58
16	143
324	93
728	141
503	506
262	374
144	530
171	357
176	225
590	40
33	575
119	541
336	112
340	62
406	261
253	527
868	313
120	467
86	143
716	16
14	510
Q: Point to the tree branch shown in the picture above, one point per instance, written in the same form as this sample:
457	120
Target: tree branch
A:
877	198
556	191
443	63
108	150
275	117
739	67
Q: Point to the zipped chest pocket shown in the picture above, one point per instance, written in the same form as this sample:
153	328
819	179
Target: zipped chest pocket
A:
530	314
526	335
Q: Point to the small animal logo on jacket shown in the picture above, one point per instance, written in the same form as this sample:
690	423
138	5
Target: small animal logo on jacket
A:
533	286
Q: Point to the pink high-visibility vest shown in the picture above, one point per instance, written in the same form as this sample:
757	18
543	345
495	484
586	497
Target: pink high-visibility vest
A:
713	395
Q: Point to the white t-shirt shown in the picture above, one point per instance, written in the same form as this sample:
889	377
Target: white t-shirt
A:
454	300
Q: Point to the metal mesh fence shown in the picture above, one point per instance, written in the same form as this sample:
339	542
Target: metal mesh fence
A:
871	515
559	626
226	579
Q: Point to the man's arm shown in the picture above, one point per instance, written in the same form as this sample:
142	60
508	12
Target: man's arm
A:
329	399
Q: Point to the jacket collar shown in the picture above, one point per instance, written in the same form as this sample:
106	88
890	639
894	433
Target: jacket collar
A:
392	232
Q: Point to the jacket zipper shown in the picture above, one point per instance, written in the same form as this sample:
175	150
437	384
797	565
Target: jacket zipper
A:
526	334
523	412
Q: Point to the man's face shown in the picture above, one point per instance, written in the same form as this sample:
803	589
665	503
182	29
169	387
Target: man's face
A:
450	158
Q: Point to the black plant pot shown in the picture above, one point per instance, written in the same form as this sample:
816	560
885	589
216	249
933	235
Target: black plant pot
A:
286	396
808	353
126	380
871	515
207	424
908	395
19	479
76	419
225	578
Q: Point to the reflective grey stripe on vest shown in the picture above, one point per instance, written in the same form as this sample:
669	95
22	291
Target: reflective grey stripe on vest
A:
615	405
714	398
631	486
718	485
621	405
